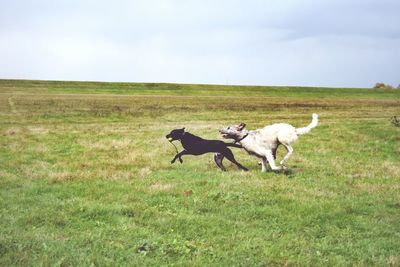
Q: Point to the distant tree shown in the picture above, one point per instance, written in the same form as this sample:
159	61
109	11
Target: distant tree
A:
383	86
379	85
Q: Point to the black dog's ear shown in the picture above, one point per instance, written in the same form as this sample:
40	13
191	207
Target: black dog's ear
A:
241	126
183	128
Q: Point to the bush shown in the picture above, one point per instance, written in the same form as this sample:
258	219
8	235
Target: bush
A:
396	121
383	86
379	85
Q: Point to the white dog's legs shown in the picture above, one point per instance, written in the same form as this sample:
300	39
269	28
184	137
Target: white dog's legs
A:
264	163
289	150
271	161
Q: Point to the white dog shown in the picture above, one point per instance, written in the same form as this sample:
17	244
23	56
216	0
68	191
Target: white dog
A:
264	142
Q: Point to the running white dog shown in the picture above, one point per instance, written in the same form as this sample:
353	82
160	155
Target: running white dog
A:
264	142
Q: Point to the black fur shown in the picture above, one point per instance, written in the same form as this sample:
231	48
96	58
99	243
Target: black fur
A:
194	145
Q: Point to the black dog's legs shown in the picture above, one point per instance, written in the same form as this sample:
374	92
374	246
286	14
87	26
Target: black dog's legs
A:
218	157
229	155
179	155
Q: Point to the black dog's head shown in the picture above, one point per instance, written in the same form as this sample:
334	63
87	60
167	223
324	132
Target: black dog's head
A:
176	134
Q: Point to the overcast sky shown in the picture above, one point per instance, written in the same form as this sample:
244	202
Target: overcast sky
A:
339	43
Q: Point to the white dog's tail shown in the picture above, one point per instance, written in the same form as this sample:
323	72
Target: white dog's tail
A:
313	123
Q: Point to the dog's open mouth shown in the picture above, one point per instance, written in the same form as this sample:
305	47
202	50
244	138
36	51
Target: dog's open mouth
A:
225	136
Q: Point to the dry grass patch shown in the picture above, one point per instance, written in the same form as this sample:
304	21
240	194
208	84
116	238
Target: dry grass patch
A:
38	129
13	131
144	172
62	176
105	144
161	187
377	188
319	193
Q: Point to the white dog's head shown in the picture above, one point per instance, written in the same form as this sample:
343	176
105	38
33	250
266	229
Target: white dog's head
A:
235	132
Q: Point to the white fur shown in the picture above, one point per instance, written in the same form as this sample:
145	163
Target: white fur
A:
264	142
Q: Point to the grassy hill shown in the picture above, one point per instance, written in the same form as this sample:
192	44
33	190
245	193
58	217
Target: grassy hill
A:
72	87
85	177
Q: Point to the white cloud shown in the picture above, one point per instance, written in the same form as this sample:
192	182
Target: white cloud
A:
331	43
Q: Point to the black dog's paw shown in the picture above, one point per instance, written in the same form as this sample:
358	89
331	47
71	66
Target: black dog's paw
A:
172	161
180	160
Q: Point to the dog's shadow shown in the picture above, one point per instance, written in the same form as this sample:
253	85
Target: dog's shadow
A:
290	172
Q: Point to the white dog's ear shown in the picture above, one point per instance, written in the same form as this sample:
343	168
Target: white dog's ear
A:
241	126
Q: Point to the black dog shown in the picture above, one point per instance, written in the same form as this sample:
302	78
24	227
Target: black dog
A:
194	145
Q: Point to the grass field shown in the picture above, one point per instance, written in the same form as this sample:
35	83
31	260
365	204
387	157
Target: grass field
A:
85	177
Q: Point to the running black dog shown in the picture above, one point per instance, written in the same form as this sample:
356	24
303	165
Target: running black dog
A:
194	145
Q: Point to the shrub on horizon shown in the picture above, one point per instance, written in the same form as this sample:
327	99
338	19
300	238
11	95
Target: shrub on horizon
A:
383	86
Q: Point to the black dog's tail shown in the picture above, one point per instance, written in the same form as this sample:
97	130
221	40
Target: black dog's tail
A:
233	145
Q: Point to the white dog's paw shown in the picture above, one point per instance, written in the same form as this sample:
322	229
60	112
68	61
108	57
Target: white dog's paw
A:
284	167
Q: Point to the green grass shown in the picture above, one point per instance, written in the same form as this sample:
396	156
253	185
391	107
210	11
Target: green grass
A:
85	177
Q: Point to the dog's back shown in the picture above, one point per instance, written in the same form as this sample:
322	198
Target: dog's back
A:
198	145
278	132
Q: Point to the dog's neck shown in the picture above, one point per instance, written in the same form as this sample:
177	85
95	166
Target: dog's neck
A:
188	137
240	138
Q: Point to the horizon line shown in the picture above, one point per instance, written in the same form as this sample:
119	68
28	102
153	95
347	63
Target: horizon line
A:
178	83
